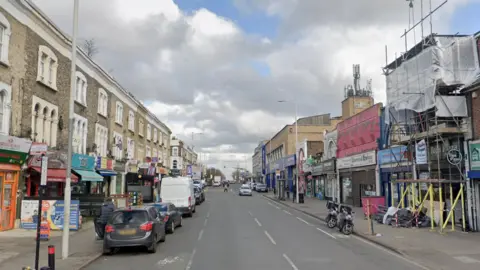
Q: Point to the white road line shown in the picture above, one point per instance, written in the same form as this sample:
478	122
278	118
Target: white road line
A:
205	222
189	264
287	212
250	213
200	235
258	222
208	214
290	262
274	205
327	233
270	238
303	220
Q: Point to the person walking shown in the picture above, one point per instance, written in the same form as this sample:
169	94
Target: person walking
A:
294	191
105	214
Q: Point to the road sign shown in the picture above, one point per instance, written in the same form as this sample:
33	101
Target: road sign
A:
189	170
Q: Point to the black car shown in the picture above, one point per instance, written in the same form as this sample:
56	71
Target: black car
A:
199	195
134	226
170	214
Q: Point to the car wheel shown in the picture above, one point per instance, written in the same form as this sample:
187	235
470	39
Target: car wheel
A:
194	210
171	229
189	214
164	237
181	222
153	247
107	250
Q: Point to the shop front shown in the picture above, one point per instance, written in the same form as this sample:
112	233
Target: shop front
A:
104	167
474	175
318	182
142	182
394	164
357	177
329	178
289	163
120	168
13	154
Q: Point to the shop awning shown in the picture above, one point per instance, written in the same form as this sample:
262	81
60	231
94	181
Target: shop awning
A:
56	175
107	172
90	176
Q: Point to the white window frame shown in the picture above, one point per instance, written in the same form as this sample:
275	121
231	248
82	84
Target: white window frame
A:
148	152
131	120
119	113
141	126
175	151
47	67
101	140
80	129
5	39
44	126
154	152
155	137
81	88
160	139
130	148
5	108
117	152
102	102
149	132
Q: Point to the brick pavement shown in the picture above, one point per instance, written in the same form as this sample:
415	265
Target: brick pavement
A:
452	250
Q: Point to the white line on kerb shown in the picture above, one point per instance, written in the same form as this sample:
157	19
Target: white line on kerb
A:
303	220
287	212
290	262
200	235
326	233
205	222
258	222
189	264
270	238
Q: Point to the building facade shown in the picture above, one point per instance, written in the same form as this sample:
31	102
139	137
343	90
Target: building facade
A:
181	155
257	162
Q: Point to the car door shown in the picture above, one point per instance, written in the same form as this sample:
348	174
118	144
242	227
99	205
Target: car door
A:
155	219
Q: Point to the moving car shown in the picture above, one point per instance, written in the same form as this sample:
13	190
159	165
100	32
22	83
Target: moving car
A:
245	191
171	216
261	187
134	226
180	192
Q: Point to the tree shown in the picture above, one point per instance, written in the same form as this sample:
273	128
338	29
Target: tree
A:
212	172
236	175
90	47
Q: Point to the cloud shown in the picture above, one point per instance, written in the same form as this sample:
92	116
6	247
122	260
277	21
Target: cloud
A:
194	70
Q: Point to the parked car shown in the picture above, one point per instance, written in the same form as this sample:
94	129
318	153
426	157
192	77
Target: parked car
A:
134	226
261	187
198	184
199	195
245	190
171	216
180	192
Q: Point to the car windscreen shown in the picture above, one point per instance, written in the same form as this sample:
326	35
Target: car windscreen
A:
245	188
261	185
129	217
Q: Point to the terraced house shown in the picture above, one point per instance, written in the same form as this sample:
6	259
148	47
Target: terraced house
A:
113	132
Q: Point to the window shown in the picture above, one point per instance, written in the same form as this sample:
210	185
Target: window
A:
80	130
81	88
140	127
117	148
44	121
102	102
5	32
154	153
149	132
148	152
5	108
174	164
47	67
175	152
130	148
155	135
119	113
164	159
101	140
131	120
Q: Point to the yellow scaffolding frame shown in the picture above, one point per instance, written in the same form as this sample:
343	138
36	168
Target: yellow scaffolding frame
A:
412	194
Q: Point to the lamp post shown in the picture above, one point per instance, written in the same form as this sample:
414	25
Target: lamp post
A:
73	80
296	142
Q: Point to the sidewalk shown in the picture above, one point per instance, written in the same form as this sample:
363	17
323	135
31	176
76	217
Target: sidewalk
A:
452	250
17	249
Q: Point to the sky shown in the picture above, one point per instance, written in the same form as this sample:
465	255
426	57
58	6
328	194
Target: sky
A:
216	68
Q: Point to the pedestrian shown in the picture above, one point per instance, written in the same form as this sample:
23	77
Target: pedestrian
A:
294	191
287	188
105	214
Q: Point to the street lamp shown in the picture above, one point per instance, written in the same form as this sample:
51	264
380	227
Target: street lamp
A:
296	143
67	195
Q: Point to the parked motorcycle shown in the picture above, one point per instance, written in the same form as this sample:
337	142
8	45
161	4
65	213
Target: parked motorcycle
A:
345	220
332	214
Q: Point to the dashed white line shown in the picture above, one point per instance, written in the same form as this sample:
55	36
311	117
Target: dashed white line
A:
200	235
290	262
208	214
287	212
303	220
258	222
190	260
250	213
274	205
205	222
327	233
270	238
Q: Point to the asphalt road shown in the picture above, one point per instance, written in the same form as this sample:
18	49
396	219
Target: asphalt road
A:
246	233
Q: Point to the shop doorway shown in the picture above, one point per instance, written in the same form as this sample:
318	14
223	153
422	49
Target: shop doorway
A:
8	191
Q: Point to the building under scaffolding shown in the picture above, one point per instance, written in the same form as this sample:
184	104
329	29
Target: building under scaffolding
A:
426	116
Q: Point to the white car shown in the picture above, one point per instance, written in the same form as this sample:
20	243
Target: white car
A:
245	191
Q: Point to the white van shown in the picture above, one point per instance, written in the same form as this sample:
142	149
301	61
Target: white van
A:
179	191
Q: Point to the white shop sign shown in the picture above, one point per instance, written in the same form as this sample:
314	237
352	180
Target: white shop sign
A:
358	160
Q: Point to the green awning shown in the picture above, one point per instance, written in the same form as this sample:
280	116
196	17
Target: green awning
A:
89	176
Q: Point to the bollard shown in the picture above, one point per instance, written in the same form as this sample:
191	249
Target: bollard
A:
370	221
51	257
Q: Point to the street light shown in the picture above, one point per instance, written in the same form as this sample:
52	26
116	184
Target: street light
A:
68	196
296	143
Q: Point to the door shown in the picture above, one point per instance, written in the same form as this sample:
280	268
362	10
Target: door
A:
7	200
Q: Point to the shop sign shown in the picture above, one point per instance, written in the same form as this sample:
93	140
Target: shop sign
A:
38	148
119	166
317	170
475	155
14	150
393	155
83	162
454	156
421	152
56	160
104	163
290	160
329	165
359	160
53	211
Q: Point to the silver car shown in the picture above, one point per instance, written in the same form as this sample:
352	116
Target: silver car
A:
245	191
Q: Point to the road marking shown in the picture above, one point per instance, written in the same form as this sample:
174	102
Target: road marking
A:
205	222
303	220
274	205
189	264
270	238
327	233
200	235
250	213
208	214
290	262
258	222
287	212
168	260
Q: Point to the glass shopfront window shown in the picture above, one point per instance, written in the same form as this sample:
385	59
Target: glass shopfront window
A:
347	190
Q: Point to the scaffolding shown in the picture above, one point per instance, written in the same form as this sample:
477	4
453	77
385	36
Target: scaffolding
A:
426	112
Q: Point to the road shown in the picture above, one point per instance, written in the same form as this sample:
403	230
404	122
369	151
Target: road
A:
244	233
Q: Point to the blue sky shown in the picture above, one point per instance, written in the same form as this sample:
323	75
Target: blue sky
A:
466	20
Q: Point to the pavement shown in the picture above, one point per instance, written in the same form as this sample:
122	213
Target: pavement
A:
244	233
430	249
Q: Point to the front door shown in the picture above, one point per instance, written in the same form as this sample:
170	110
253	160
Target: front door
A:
7	200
